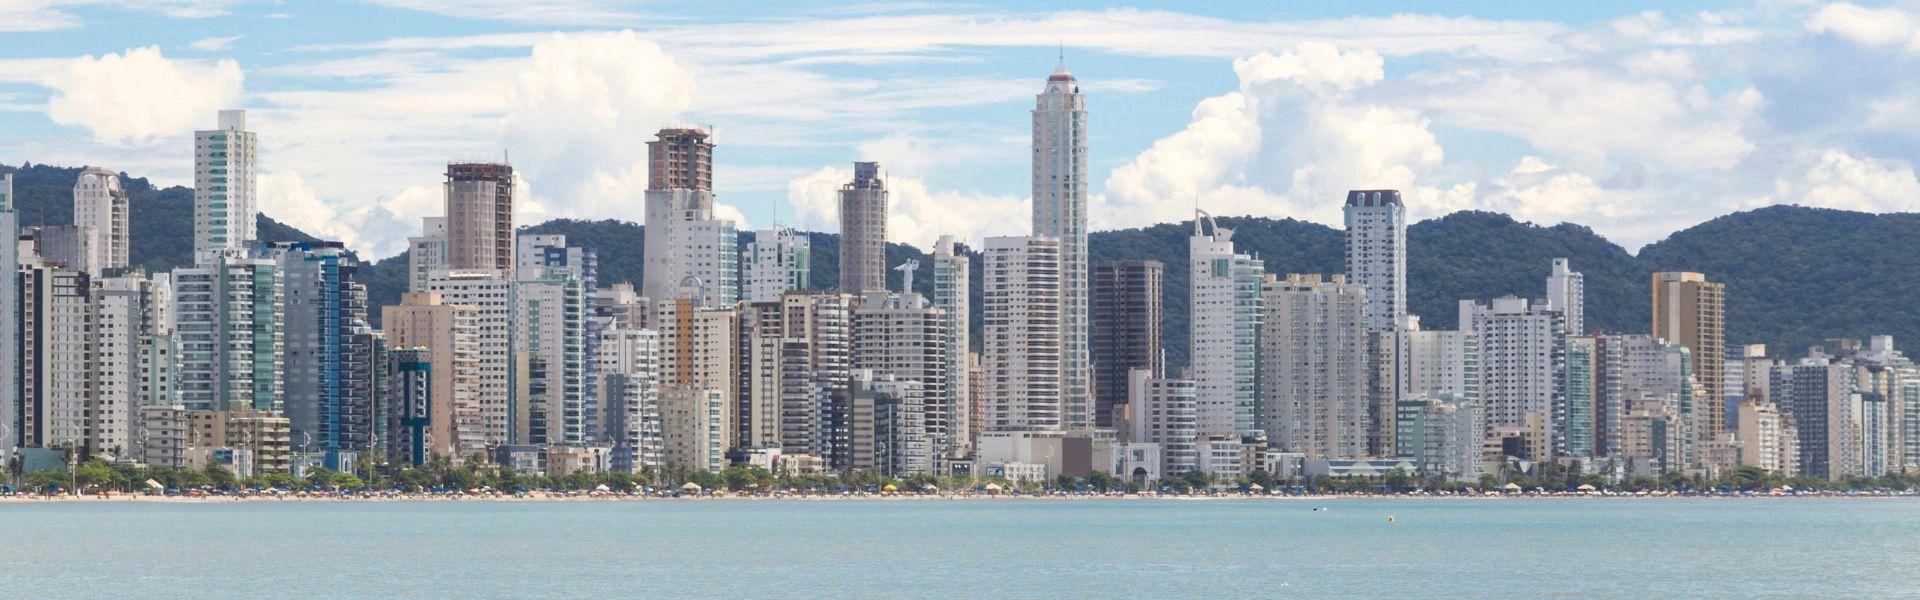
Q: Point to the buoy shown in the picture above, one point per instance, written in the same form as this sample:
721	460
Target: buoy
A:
1389	518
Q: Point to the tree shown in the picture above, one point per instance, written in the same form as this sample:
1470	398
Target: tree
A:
220	477
95	472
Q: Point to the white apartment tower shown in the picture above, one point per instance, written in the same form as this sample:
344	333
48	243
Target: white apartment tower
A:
1523	351
776	261
1377	254
1060	212
100	202
1021	356
1566	292
225	206
1313	375
1224	298
228	319
10	435
903	336
689	253
951	289
426	253
1162	411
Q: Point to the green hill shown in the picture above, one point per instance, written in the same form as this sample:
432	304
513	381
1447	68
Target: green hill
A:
1795	276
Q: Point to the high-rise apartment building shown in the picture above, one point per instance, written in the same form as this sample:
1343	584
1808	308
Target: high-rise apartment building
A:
904	338
410	384
225	204
689	253
777	260
952	294
449	334
426	253
1819	395
1125	324
1021	325
863	230
1162	411
630	367
698	352
1224	297
1523	353
323	304
1313	366
1768	438
1641	374
1691	311
489	297
479	217
1060	212
57	357
100	202
1566	292
228	320
1377	254
10	382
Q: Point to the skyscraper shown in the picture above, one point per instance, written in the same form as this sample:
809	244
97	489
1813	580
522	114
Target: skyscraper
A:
1224	297
323	304
1125	329
689	253
228	321
450	336
10	426
1566	292
863	230
952	293
100	202
1377	254
1313	372
479	216
1523	354
1021	321
426	253
1060	212
1690	311
224	205
777	260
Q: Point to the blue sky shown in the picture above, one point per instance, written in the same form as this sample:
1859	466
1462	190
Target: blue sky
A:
1637	119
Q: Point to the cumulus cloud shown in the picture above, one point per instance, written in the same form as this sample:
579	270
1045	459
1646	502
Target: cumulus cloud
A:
1882	27
1288	142
1535	190
916	215
579	115
371	230
140	96
1840	180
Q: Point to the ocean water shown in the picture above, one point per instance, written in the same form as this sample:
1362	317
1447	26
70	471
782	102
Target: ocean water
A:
972	548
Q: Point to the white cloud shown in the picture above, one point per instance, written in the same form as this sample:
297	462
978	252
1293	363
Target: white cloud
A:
1289	142
580	112
550	12
214	44
1537	191
370	230
1887	27
55	15
140	96
1840	180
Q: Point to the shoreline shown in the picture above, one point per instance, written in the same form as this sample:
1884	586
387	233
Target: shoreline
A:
630	498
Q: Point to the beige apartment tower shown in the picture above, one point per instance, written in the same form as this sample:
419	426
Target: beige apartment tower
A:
1690	311
479	213
863	230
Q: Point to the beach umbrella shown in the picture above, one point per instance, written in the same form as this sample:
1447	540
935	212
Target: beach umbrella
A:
155	485
889	488
1584	487
1255	487
603	488
690	487
1511	487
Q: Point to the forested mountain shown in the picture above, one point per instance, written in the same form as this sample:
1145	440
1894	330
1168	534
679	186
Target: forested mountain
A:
1795	276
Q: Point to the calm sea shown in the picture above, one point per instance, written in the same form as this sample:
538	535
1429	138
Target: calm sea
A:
1432	548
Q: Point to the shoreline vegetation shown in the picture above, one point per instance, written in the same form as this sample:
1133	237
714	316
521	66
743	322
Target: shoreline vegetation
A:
440	479
270	495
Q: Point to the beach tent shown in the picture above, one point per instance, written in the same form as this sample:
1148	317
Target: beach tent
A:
155	485
1255	488
691	487
1511	487
1584	487
993	488
602	488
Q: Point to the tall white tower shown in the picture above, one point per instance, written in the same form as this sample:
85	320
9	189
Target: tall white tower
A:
1566	292
1060	211
1224	300
1377	254
100	202
224	203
